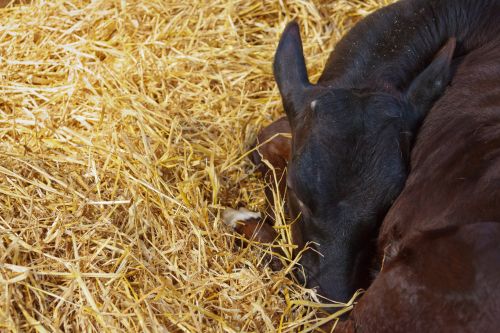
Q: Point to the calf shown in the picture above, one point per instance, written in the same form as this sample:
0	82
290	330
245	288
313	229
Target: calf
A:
351	135
349	152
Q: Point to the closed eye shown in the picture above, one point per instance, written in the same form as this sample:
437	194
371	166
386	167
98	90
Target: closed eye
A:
302	206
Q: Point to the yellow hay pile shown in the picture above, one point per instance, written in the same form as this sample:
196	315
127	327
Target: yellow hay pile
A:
124	127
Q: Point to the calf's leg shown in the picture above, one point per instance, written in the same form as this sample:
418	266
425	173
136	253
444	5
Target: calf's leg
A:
270	155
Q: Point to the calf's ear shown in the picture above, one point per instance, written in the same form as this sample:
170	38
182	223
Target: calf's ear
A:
290	71
430	84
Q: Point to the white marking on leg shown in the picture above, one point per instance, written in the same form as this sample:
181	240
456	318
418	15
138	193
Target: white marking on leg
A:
231	216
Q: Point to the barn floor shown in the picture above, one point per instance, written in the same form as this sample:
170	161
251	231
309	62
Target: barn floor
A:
124	129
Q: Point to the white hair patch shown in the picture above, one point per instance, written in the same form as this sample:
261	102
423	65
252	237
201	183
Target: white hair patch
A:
313	104
231	216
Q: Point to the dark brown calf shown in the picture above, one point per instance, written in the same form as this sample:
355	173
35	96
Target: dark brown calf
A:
443	280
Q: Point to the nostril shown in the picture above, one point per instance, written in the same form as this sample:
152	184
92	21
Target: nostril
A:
306	271
300	275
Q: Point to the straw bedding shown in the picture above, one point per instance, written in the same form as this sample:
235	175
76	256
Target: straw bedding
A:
124	131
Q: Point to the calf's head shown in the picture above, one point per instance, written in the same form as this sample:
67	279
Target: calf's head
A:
349	158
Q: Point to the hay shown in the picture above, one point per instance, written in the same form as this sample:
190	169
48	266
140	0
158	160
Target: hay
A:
123	132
